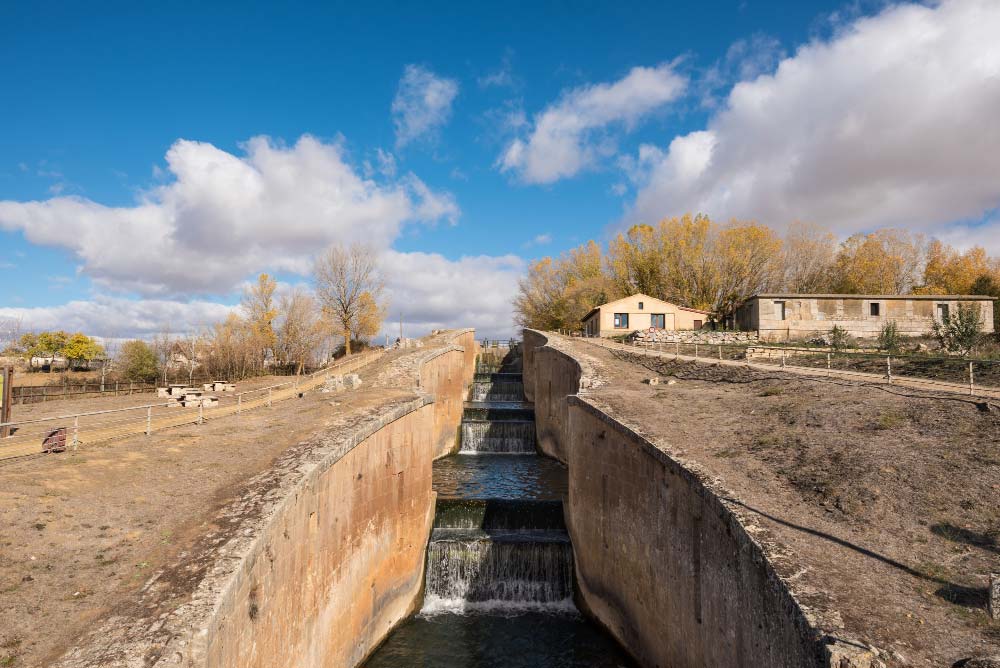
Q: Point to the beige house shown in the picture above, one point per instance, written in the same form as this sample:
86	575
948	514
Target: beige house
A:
629	314
780	317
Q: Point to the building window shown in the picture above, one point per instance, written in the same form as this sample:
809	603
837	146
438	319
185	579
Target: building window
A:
640	306
942	312
621	320
779	310
658	321
697	324
874	308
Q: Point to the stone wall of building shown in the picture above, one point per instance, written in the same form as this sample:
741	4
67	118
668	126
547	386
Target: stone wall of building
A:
807	315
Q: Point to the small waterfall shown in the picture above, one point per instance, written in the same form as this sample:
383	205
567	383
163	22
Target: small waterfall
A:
496	391
509	437
470	570
498	516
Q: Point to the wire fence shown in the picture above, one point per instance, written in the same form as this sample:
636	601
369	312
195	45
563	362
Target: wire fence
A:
973	377
53	434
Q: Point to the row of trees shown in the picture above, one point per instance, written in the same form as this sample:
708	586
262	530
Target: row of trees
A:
291	329
694	261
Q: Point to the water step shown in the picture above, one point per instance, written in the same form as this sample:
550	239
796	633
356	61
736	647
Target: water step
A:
494	377
511	437
496	391
499	515
470	569
497	410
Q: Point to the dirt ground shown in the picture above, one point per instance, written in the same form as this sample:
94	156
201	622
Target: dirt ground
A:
81	532
887	498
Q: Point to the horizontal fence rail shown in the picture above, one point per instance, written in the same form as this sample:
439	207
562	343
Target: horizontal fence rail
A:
972	377
27	437
33	394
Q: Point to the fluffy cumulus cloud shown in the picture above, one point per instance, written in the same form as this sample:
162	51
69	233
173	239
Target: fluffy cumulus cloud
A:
893	121
225	216
422	104
432	292
573	133
118	318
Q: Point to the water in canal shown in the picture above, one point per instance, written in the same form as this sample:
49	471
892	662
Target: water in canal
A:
499	579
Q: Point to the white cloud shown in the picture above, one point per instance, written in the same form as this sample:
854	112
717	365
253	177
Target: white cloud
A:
225	217
433	292
117	317
573	133
892	122
502	77
538	240
422	104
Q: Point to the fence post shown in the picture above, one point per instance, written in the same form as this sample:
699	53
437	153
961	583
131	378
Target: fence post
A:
677	349
76	431
888	369
720	352
782	358
201	412
239	403
269	397
149	420
828	364
972	383
696	350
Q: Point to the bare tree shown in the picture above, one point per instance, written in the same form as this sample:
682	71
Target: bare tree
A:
10	332
300	329
259	307
163	344
348	282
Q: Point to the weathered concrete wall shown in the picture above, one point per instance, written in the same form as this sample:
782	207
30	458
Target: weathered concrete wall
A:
661	559
322	554
549	377
341	564
445	374
665	565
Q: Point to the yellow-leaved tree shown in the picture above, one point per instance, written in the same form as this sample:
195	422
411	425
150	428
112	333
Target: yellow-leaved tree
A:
884	262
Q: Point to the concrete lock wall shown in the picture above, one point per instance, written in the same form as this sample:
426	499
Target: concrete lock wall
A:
548	390
445	374
342	563
661	561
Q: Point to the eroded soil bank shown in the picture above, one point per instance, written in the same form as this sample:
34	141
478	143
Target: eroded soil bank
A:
884	500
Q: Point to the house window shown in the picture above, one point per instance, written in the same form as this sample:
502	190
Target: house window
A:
697	324
779	310
874	308
942	312
658	321
621	320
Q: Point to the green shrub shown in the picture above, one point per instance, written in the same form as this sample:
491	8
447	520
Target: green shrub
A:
961	332
138	361
839	338
889	338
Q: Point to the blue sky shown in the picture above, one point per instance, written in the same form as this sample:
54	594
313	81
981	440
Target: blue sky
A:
449	135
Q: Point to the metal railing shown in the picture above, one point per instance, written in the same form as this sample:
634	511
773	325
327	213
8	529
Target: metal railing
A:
973	377
86	428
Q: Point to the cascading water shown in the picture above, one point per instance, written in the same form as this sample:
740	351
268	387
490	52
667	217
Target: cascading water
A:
496	390
498	585
513	437
472	570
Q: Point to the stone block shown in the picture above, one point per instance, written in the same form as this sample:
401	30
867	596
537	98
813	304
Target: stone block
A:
352	381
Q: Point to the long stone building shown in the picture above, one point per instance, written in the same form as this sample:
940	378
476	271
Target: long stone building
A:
781	317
